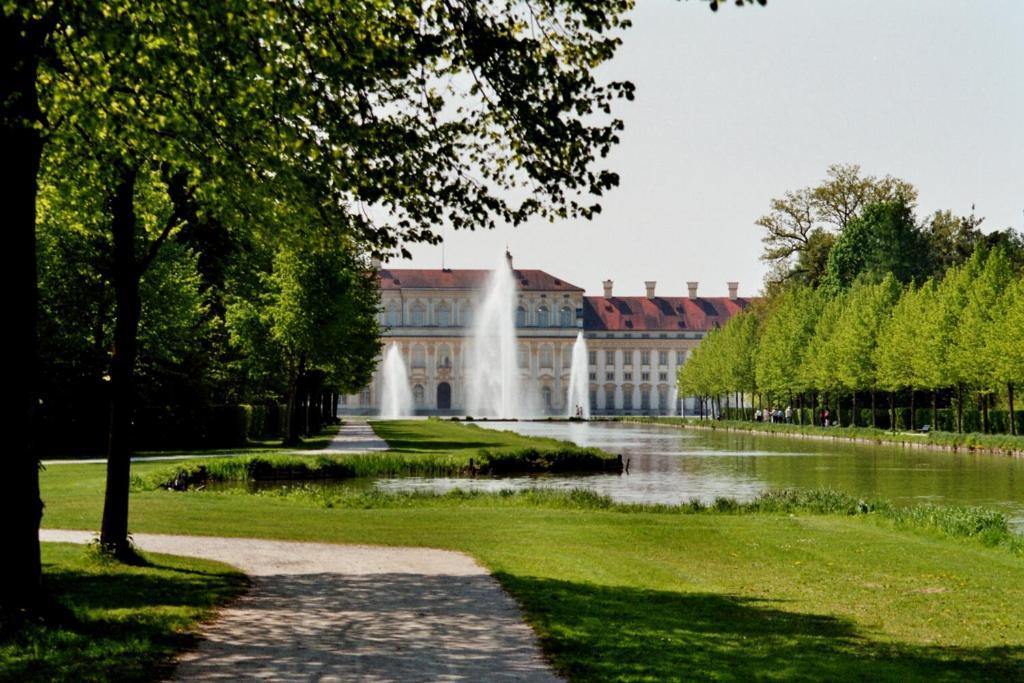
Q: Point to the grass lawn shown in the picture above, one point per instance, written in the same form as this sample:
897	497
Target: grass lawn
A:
647	595
122	623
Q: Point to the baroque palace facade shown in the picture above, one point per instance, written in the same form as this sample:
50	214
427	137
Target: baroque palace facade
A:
634	343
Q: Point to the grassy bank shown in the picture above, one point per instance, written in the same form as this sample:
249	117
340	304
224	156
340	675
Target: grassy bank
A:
794	589
949	441
118	622
418	448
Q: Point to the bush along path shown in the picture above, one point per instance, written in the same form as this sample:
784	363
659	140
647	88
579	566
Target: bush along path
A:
346	612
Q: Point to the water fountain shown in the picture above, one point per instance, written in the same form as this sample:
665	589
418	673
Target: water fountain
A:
396	396
579	380
494	387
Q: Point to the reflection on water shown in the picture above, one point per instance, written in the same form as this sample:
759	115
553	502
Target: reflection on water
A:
669	465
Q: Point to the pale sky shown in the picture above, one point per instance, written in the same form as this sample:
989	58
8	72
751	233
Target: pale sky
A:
734	108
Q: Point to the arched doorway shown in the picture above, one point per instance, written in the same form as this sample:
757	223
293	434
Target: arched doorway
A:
444	396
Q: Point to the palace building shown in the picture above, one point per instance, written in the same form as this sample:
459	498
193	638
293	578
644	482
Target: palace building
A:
634	343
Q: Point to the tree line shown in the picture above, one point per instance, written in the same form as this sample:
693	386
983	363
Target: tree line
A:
894	310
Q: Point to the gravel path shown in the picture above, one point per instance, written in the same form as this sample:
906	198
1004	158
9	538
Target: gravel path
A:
356	437
319	612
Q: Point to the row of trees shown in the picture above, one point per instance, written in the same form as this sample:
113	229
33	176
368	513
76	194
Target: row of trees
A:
957	336
895	306
208	180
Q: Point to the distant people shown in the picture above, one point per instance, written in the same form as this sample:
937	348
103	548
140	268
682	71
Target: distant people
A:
824	417
789	415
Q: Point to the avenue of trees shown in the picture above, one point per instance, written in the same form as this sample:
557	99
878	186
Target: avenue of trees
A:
195	191
874	315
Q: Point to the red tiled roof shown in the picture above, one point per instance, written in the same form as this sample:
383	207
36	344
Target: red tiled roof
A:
663	314
409	278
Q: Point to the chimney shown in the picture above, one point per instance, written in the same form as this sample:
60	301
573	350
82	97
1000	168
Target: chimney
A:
649	284
608	288
692	286
733	290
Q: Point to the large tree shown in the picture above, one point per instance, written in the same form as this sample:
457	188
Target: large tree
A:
386	118
803	224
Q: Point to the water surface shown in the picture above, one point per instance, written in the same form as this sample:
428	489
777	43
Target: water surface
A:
670	465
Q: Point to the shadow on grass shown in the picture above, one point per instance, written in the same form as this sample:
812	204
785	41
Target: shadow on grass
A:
122	623
605	633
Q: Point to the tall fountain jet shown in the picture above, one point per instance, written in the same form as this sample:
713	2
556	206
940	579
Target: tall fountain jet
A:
396	398
494	386
579	380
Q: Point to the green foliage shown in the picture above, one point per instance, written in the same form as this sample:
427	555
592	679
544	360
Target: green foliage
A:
785	338
116	622
883	239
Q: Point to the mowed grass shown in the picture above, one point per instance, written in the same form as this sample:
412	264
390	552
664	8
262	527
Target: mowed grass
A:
421	448
649	595
123	623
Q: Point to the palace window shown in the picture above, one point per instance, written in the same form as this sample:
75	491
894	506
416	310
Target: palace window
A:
609	376
520	317
394	318
627	398
593	377
662	357
662	398
627	358
417	395
566	356
524	356
546	357
444	356
680	357
466	315
592	357
364	398
545	393
627	376
543	316
419	315
645	358
593	399
565	316
662	376
419	357
609	357
645	398
443	315
645	376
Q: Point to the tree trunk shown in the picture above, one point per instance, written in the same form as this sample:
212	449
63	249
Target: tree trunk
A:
853	410
114	529
892	411
1013	418
800	400
912	421
874	421
984	413
935	409
292	432
959	408
20	45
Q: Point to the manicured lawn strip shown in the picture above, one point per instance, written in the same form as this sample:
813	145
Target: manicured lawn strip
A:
972	441
123	623
660	596
419	448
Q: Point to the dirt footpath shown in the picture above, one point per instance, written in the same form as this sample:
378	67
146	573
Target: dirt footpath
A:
320	612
